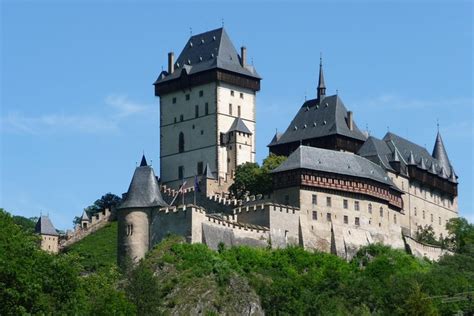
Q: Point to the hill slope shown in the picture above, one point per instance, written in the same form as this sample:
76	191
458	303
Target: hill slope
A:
99	249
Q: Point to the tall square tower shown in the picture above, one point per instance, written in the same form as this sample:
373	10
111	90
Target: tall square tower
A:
207	111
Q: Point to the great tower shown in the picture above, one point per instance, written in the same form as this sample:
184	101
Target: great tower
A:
207	112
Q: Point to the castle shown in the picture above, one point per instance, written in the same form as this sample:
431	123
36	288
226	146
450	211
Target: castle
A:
338	190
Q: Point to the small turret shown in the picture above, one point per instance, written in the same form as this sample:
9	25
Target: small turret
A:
134	214
321	85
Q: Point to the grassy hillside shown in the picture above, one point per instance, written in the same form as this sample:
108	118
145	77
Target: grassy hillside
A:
97	250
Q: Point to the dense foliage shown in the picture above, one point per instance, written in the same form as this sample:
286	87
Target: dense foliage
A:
378	280
252	179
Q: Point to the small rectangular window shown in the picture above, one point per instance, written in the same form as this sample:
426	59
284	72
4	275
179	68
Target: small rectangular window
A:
187	97
432	218
423	214
346	219
238	111
241	95
206	108
230	108
345	204
394	218
315	216
181	118
232	92
175	120
328	217
381	212
200	168
356	205
357	221
196	111
314	199
181	172
439	220
328	201
174	100
201	93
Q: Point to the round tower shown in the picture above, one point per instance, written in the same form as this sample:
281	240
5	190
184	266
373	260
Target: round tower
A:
135	212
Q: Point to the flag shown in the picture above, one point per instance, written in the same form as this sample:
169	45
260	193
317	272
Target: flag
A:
196	184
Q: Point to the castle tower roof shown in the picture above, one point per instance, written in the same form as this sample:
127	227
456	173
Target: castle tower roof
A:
321	91
239	126
44	226
144	190
206	51
208	172
84	216
440	154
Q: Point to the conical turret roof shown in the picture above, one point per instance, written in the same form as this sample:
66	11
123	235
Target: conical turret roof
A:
44	226
208	172
440	154
84	216
144	190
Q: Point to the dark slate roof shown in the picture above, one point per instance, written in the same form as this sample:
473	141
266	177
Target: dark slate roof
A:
331	161
440	154
208	172
205	51
315	120
239	126
44	226
395	148
84	216
144	190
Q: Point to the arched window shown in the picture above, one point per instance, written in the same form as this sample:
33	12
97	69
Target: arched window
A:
181	142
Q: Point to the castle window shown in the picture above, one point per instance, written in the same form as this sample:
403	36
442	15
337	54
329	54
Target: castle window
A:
232	92
206	108
439	220
238	111
370	208
328	217
174	100
202	132
328	201
394	218
181	142
201	93
357	221
346	219
175	120
187	97
315	216
196	111
230	108
181	118
200	168
415	211
423	214
356	205
345	204
432	218
381	212
241	95
314	199
181	172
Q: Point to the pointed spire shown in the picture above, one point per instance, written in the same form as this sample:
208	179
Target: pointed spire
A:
143	163
411	159
321	84
84	216
422	164
208	172
439	153
396	158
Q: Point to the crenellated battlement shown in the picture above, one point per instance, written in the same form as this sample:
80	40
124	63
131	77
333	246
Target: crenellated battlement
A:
224	221
182	208
266	206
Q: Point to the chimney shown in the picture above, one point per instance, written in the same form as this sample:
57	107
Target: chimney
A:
243	55
170	62
350	121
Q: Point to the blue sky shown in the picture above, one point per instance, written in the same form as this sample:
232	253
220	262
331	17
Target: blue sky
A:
77	102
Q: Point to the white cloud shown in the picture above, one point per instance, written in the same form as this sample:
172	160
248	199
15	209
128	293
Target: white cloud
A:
122	108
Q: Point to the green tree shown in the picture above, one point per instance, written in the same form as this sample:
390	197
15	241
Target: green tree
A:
252	179
27	224
461	235
143	290
426	235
